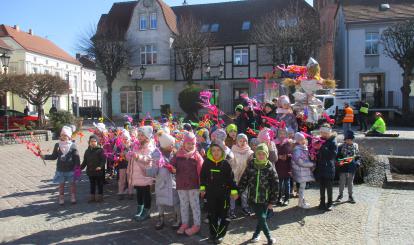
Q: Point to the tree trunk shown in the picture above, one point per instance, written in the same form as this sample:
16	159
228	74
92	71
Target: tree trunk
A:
40	114
405	90
109	97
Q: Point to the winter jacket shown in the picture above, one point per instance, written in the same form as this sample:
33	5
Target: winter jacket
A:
216	177
379	126
93	158
165	185
273	154
65	163
302	165
351	152
239	162
122	163
244	121
146	157
261	183
326	158
188	170
289	119
284	167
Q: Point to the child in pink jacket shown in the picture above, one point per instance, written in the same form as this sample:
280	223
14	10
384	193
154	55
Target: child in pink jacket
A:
141	160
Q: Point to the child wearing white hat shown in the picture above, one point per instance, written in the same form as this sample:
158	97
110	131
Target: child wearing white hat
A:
67	156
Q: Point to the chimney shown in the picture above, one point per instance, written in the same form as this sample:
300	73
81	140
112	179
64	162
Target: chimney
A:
16	27
31	32
78	55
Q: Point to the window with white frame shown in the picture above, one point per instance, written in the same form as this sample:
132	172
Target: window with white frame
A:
371	43
148	55
46	71
143	22
153	21
34	69
241	56
128	99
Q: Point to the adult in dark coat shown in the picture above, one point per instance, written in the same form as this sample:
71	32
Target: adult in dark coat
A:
245	119
325	165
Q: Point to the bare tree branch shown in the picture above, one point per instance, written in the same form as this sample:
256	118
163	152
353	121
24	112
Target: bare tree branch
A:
108	47
189	45
37	89
291	29
398	42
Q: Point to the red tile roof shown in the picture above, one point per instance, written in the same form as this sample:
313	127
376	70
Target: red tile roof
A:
36	44
357	11
3	45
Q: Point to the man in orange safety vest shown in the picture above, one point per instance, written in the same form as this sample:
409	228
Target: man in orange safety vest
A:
348	118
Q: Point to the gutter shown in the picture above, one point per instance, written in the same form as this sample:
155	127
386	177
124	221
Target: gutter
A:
347	58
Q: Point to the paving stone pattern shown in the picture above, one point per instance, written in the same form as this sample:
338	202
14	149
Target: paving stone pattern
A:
29	214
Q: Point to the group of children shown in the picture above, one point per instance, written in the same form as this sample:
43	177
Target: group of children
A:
218	166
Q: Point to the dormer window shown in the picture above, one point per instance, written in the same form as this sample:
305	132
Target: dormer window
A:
246	26
143	22
214	27
204	28
153	21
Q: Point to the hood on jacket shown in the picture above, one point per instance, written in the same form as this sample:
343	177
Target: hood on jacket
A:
262	148
210	155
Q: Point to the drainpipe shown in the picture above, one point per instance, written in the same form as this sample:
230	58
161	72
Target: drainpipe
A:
347	59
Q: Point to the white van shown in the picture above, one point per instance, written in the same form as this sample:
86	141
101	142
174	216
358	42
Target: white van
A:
334	100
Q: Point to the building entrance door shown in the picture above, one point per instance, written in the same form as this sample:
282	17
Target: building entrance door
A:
373	89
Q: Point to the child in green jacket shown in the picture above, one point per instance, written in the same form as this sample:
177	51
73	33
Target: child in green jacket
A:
260	179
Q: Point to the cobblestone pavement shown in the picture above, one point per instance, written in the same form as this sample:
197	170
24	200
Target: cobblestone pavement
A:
29	214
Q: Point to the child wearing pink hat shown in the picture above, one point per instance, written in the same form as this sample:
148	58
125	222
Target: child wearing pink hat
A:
187	163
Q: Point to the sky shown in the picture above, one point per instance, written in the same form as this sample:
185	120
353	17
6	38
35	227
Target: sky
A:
64	22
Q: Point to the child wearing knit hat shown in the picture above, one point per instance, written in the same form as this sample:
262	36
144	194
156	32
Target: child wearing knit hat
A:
217	183
94	161
260	179
203	141
187	163
231	131
242	155
283	165
140	162
218	137
166	195
348	161
302	167
67	156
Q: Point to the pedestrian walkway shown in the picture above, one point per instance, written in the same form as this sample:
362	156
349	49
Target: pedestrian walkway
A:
29	214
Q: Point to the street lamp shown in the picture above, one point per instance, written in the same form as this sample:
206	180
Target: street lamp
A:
216	77
142	70
5	61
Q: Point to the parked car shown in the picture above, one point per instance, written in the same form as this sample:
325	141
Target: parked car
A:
17	119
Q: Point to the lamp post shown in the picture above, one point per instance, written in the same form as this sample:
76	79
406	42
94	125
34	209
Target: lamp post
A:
5	61
142	70
216	77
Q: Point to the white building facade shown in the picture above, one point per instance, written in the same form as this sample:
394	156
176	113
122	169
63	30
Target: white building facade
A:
360	61
33	54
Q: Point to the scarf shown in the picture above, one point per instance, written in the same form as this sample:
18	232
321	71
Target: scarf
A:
283	111
64	147
240	150
186	154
